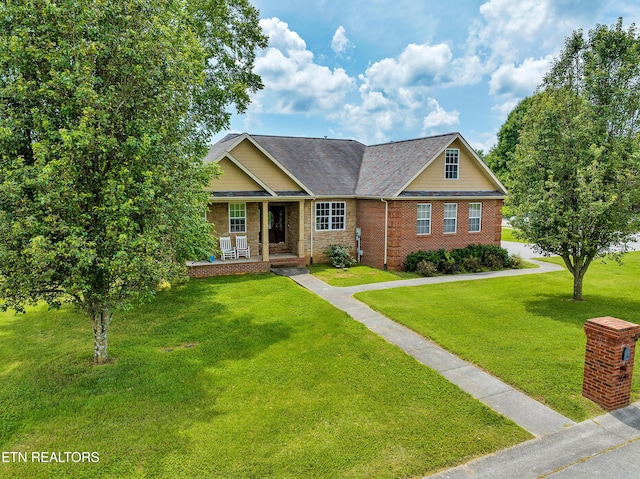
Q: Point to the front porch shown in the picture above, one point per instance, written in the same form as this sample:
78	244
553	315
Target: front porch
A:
255	264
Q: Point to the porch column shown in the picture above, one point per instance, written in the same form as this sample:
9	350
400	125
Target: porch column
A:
301	229
265	231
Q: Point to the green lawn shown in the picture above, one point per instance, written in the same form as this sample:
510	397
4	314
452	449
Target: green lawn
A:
508	235
235	377
356	275
525	330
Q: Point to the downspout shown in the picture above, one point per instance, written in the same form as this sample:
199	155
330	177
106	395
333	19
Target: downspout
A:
386	230
312	227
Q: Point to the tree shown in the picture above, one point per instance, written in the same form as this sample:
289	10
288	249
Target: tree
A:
106	108
502	156
575	186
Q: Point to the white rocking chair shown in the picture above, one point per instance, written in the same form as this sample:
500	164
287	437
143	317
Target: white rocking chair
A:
226	251
242	248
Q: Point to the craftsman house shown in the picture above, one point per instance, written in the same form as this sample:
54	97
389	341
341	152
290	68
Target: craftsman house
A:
292	197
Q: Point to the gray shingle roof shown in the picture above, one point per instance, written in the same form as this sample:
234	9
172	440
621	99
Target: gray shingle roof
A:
325	166
329	167
220	147
388	167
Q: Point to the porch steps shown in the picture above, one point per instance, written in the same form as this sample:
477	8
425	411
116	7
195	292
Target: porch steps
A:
287	262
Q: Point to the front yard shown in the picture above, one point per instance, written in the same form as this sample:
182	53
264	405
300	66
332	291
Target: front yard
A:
526	330
233	377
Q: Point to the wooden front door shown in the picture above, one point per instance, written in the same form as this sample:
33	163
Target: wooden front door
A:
277	223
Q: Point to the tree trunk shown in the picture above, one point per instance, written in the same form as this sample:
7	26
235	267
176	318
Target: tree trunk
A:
578	268
577	285
101	321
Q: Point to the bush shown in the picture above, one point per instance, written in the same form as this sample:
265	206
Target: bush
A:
412	259
494	262
427	268
515	261
471	264
472	259
340	256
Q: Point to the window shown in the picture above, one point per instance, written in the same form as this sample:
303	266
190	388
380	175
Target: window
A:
475	217
424	219
237	218
330	216
450	217
451	163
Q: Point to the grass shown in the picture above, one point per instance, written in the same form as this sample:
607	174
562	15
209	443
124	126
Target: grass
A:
356	275
508	235
525	330
235	377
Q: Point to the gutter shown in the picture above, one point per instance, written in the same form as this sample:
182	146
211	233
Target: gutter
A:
386	230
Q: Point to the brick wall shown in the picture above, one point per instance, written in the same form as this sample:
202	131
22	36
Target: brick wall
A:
322	239
607	373
218	214
371	221
402	229
221	269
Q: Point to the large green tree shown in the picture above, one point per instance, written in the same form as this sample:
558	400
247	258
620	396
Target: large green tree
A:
106	108
575	186
502	156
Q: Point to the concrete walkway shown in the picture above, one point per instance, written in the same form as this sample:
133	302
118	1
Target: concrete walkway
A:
562	449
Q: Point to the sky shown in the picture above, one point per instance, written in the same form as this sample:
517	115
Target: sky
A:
389	70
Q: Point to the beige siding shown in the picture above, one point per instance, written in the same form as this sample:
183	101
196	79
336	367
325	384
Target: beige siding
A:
262	167
233	179
471	176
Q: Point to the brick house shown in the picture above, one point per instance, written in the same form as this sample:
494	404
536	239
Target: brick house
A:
292	197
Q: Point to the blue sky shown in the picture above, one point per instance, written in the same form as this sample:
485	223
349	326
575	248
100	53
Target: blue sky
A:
388	70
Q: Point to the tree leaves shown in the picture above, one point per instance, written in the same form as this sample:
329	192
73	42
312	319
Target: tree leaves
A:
575	185
106	109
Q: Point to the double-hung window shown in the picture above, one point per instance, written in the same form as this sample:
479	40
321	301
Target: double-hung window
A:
424	219
475	217
450	217
237	217
451	163
330	215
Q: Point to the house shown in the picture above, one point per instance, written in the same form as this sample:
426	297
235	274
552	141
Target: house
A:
292	197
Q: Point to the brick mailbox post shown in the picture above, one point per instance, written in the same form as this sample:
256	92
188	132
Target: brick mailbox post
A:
608	364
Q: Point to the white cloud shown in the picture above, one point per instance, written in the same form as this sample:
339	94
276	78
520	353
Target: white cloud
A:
294	83
340	44
507	27
519	80
439	117
423	65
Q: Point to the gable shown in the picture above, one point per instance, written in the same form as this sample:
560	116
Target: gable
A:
233	179
261	166
471	175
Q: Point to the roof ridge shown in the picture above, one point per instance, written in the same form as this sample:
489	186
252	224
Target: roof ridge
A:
305	138
453	133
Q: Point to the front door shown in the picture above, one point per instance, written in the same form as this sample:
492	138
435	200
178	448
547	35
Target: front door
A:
276	223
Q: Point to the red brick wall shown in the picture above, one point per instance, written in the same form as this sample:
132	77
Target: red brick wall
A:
220	269
371	220
607	375
402	229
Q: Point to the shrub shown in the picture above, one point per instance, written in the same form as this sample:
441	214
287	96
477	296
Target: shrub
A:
340	256
448	265
494	262
427	268
515	261
472	258
411	262
471	264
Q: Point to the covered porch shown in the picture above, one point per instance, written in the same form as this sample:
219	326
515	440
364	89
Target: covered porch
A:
257	264
274	229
